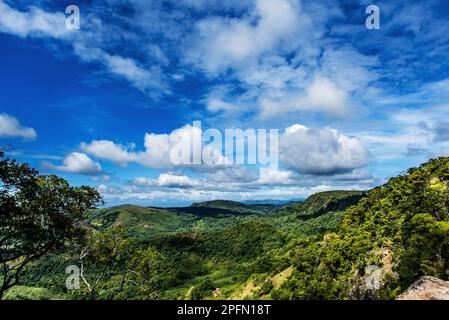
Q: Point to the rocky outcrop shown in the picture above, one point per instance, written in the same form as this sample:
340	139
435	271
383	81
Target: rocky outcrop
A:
426	288
366	284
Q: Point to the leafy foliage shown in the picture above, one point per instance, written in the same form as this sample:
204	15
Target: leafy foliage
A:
37	214
401	227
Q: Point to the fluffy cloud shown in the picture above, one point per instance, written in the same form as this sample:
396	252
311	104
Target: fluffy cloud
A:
108	150
349	68
220	43
305	150
156	154
10	127
316	78
157	150
158	146
35	22
321	151
168	180
322	96
274	177
77	163
236	174
160	150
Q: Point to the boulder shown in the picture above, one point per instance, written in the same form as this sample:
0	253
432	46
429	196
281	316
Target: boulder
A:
426	288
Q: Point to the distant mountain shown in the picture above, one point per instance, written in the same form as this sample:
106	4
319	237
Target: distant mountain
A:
142	221
324	202
217	204
232	207
272	201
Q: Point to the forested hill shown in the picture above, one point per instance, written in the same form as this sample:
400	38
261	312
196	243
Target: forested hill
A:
334	245
394	235
229	207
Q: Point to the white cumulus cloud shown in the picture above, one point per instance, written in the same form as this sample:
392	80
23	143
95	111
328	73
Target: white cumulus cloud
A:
10	127
77	163
321	151
108	150
321	96
168	180
160	150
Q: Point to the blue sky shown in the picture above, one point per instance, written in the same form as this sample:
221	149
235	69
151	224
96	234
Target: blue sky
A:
97	105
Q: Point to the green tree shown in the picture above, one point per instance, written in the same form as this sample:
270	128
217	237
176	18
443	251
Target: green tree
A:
38	214
101	253
142	268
